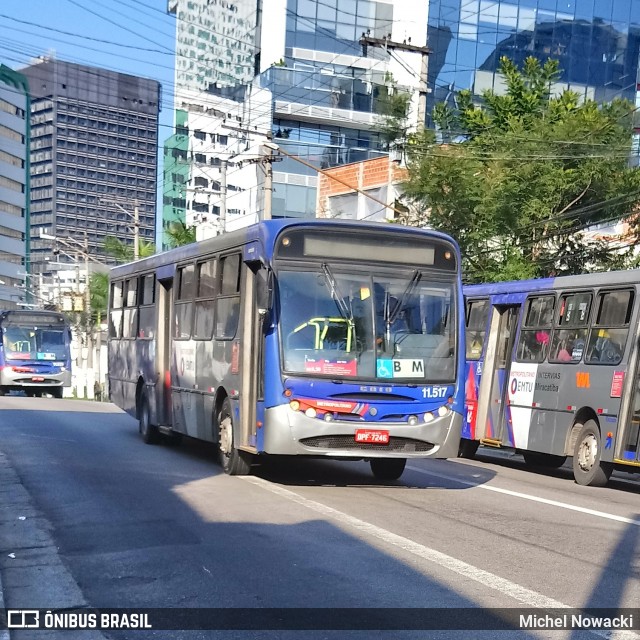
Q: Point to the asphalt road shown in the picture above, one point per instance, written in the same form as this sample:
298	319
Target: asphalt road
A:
96	518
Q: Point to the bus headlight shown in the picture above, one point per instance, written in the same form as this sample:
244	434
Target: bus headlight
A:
428	417
413	421
294	405
310	412
443	411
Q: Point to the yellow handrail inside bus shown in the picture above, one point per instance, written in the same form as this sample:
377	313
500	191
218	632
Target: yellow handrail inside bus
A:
322	325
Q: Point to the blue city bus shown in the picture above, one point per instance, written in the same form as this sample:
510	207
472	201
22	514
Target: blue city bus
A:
553	372
306	338
35	352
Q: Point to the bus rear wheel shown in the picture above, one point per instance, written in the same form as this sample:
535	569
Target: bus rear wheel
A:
588	468
149	432
387	468
543	460
234	462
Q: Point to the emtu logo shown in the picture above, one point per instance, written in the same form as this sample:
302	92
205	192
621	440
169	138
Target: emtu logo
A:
514	385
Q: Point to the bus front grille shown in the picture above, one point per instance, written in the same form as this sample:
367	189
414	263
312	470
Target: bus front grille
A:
397	445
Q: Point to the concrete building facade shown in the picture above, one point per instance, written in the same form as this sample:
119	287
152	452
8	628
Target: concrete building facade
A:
94	139
14	188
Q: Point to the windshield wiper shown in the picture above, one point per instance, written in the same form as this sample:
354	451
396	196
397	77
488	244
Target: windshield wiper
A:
393	314
343	307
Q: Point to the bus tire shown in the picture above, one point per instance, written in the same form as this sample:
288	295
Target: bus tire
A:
387	468
233	461
468	448
149	432
588	468
57	392
543	460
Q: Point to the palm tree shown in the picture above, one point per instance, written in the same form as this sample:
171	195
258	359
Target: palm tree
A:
123	252
179	234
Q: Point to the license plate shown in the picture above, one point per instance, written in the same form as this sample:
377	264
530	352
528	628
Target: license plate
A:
372	436
37	379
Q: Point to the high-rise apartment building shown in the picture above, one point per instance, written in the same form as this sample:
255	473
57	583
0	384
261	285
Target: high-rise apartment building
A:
14	187
94	140
321	96
596	43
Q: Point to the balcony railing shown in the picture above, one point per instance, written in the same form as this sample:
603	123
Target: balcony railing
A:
319	89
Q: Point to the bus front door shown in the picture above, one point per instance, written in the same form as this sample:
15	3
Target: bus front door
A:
493	393
631	437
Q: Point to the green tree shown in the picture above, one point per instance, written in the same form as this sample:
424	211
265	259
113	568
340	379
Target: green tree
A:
392	106
123	252
178	234
523	174
99	291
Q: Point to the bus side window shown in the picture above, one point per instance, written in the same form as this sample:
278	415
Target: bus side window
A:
147	310
611	326
535	334
570	334
227	312
183	306
115	313
476	323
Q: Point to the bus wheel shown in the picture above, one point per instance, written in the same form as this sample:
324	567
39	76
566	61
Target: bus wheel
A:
543	460
468	448
148	432
234	462
588	468
57	392
387	468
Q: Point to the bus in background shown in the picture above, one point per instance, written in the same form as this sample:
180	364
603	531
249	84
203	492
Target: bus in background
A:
35	352
317	338
553	371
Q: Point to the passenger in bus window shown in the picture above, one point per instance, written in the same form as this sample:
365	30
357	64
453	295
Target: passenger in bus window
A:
563	354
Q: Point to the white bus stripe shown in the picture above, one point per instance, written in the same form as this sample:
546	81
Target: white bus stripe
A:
526	496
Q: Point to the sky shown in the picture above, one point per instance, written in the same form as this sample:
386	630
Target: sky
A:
130	36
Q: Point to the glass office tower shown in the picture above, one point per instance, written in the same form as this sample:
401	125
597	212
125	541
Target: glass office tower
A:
595	41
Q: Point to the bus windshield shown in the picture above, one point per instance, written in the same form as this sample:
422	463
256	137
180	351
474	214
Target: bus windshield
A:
343	324
30	342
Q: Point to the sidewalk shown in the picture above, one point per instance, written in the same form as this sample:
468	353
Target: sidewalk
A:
35	577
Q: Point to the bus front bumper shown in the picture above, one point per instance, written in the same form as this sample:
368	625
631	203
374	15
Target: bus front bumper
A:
288	432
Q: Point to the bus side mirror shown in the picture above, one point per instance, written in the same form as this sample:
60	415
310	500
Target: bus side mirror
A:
264	291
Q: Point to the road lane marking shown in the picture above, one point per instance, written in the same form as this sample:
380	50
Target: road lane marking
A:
525	596
30	435
527	496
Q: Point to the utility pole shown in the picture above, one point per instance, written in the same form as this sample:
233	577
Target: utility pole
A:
387	43
136	230
222	218
87	309
268	183
135	216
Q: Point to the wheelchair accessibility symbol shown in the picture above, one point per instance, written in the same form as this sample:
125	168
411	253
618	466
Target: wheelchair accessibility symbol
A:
384	369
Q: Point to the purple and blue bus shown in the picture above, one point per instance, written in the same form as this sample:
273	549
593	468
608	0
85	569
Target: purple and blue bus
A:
305	338
35	352
553	372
